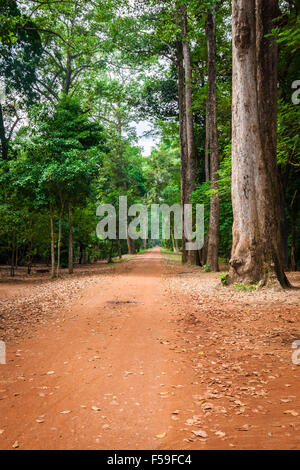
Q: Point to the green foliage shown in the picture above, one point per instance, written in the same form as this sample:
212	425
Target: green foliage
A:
59	156
223	277
206	268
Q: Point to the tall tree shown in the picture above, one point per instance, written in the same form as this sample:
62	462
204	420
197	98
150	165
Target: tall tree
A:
182	138
257	246
189	184
212	128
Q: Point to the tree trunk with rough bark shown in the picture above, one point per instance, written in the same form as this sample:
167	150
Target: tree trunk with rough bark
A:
293	233
70	254
257	245
130	245
119	248
59	239
52	241
191	150
109	259
214	219
12	263
183	138
3	138
207	146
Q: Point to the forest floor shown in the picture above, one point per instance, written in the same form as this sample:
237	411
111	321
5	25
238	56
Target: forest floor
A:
148	354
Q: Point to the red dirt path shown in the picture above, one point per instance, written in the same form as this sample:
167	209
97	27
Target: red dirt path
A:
109	375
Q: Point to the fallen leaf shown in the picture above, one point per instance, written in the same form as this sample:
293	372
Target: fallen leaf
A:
291	412
65	412
245	427
15	445
200	434
95	408
161	436
200	402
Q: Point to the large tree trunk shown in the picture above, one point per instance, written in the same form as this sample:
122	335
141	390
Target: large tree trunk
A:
119	247
3	139
59	239
70	254
68	76
191	150
52	241
257	246
130	245
207	145
109	259
12	262
183	139
293	233
214	219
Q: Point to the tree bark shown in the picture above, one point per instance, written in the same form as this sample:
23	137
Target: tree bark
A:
257	245
70	254
3	139
67	83
183	138
109	259
214	219
191	151
119	248
207	146
293	233
130	245
52	241
17	255
59	239
12	262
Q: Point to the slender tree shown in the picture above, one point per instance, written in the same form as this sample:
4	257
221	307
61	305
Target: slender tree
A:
189	184
212	128
183	137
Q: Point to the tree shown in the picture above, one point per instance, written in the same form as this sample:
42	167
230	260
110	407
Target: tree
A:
74	42
257	244
61	157
20	54
212	128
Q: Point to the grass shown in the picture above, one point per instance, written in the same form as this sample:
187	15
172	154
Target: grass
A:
166	250
118	260
245	287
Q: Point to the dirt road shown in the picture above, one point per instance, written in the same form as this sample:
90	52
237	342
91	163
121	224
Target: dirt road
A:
113	372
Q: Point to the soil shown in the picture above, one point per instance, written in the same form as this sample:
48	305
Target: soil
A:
148	354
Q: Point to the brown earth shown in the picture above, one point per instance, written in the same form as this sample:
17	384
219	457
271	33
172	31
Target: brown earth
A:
148	355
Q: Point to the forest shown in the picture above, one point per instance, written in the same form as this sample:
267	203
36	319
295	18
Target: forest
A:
77	77
166	102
